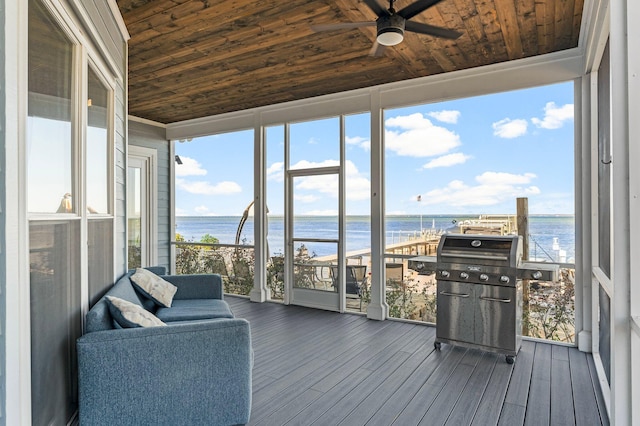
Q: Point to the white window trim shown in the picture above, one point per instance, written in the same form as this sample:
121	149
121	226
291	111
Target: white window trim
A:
17	332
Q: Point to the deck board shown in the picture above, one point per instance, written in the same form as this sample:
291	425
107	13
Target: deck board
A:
321	368
539	402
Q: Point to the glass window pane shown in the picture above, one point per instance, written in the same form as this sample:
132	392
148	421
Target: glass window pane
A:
100	258
98	156
49	136
134	217
55	319
319	139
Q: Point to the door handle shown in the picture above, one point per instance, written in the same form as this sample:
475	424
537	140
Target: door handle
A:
492	299
446	293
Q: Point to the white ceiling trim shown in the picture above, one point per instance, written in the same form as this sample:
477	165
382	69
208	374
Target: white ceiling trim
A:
512	75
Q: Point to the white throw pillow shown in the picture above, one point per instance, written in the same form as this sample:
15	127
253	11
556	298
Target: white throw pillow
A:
130	315
154	287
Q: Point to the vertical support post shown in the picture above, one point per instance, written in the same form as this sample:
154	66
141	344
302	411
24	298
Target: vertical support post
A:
522	209
585	102
625	69
260	291
378	308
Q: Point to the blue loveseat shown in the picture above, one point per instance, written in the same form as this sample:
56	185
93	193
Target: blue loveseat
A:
194	371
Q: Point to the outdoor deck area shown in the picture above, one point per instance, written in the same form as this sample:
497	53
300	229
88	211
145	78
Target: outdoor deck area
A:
323	368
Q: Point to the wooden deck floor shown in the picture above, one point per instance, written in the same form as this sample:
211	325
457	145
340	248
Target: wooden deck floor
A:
323	368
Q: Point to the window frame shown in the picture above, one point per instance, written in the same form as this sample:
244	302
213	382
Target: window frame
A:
85	54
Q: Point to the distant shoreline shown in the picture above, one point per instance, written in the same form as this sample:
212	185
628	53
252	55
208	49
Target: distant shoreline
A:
564	215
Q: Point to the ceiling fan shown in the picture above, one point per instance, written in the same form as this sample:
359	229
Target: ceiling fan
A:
391	25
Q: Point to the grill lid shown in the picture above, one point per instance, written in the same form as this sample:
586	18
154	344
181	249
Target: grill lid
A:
492	250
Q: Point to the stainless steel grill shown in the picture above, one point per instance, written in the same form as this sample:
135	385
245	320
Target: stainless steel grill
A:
479	290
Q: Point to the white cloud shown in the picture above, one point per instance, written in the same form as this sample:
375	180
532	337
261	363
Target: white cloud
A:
202	210
322	213
313	141
189	167
275	172
510	129
363	143
554	116
446	116
358	185
493	188
181	212
447	160
499	178
305	164
417	136
306	198
206	188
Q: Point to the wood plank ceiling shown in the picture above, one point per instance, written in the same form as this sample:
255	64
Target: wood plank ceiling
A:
196	58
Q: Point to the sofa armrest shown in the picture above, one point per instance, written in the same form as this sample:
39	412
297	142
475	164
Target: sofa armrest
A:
184	373
197	286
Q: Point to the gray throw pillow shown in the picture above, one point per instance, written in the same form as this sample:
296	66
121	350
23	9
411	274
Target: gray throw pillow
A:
130	315
154	287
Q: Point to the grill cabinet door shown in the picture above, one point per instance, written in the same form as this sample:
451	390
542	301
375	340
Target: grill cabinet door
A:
495	316
455	311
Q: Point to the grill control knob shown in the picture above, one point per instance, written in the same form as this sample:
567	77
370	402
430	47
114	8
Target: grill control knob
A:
504	279
464	275
445	274
537	275
484	277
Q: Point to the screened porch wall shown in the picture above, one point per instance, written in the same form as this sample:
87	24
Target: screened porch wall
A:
154	137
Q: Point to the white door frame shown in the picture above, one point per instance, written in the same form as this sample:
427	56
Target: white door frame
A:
147	159
328	300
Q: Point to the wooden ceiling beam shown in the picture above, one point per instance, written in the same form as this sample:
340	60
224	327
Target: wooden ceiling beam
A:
508	19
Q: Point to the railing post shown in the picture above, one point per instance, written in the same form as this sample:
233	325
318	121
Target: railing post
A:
522	210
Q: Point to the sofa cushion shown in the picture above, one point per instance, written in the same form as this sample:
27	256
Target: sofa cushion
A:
99	318
130	315
195	309
154	287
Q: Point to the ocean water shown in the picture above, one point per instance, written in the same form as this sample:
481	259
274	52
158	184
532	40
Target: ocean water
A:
550	236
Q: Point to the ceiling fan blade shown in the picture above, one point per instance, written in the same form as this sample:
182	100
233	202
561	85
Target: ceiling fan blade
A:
417	27
417	7
341	26
375	6
377	49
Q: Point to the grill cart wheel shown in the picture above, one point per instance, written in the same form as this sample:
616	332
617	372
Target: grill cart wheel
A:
437	345
510	359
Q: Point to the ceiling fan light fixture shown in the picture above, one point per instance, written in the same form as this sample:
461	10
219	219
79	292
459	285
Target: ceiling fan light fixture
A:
390	36
390	29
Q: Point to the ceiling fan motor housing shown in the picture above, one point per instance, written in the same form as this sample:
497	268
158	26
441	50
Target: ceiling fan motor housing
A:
390	29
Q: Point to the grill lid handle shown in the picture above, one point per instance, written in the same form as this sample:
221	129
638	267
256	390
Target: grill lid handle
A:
475	256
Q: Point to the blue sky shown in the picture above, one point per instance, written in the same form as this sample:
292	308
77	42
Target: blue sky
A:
467	156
